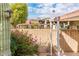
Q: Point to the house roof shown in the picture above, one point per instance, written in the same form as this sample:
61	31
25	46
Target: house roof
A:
72	16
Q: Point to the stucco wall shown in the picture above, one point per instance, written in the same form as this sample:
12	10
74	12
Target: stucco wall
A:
69	39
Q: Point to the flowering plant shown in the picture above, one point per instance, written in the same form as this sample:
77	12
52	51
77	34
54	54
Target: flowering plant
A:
23	44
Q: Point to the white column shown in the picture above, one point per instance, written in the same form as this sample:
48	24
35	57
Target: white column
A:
57	36
45	24
54	26
51	38
64	25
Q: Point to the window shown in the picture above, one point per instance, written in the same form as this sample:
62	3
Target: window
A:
77	26
64	25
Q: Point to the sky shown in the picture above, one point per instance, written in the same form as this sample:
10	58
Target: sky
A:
43	10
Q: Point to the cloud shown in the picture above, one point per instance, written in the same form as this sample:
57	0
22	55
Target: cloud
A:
40	5
45	9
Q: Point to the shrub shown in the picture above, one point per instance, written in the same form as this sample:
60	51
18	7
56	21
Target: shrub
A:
22	44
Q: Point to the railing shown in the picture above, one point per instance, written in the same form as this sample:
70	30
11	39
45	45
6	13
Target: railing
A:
43	26
35	26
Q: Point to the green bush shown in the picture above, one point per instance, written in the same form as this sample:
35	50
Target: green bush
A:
22	44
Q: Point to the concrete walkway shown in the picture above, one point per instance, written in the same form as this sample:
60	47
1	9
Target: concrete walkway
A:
65	54
72	54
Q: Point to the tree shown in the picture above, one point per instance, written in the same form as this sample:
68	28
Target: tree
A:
20	13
